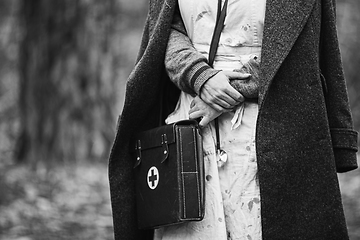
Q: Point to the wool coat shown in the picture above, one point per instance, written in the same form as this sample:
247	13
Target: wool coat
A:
304	129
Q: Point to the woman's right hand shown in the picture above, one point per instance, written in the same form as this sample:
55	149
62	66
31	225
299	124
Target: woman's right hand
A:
219	94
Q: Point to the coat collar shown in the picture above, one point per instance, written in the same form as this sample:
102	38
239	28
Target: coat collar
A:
284	20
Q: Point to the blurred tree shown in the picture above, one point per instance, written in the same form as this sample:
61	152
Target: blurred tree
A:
69	70
74	58
349	36
9	40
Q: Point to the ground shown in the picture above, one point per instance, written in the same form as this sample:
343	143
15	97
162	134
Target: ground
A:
73	202
64	203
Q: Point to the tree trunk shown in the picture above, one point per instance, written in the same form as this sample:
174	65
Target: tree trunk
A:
69	70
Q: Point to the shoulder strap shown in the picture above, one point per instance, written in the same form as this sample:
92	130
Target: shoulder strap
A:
220	19
221	14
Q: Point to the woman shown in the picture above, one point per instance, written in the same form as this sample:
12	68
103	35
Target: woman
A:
302	122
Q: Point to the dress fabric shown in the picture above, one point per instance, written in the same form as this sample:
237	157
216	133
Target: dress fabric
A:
232	205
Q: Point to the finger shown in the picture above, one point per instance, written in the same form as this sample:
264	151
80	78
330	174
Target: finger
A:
228	94
195	115
218	91
221	109
219	99
237	75
193	109
216	103
204	121
238	97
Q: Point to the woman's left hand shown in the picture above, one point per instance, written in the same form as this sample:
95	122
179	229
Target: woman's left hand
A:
200	109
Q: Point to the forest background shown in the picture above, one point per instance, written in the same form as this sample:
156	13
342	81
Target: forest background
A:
63	69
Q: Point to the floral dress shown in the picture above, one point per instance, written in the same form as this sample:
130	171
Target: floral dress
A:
232	208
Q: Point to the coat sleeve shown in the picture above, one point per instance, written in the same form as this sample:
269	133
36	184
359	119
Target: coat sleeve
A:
344	138
186	67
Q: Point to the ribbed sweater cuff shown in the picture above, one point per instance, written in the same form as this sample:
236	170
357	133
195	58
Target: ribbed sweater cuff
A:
199	74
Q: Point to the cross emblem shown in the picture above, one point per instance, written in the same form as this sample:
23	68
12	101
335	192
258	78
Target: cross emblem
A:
153	178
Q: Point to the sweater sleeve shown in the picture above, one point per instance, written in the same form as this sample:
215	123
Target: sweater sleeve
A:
344	138
186	67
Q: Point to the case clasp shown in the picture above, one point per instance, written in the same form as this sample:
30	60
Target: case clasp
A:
138	153
165	147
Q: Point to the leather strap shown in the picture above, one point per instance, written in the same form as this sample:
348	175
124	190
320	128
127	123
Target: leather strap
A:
221	14
220	19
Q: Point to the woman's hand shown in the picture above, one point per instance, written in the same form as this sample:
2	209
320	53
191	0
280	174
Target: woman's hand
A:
199	109
219	94
249	88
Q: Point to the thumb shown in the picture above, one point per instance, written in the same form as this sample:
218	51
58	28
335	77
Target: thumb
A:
236	75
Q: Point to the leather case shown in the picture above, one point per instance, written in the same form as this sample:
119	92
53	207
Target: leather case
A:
169	175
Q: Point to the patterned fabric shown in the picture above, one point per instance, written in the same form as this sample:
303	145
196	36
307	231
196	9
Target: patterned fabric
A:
232	208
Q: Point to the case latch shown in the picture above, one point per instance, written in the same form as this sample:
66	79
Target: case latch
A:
165	147
138	153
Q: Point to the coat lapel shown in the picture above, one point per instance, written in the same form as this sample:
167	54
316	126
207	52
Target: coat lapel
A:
284	20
